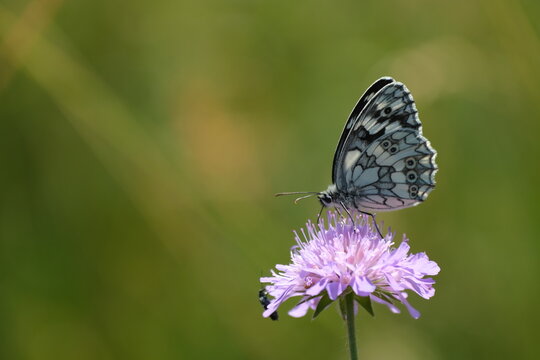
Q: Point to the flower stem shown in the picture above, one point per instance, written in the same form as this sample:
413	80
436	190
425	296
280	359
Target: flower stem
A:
349	314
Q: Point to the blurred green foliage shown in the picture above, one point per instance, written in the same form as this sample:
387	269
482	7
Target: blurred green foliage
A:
141	143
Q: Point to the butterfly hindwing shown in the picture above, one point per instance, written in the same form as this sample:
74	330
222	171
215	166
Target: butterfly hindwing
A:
385	163
396	172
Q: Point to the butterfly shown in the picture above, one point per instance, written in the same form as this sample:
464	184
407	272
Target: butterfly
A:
263	299
382	161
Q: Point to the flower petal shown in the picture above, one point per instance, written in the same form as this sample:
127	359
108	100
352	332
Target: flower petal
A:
270	309
300	310
317	287
274	304
391	306
335	289
362	286
414	313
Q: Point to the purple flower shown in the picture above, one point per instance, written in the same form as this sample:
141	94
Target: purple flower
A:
329	262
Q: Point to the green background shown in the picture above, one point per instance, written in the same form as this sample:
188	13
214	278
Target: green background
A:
142	142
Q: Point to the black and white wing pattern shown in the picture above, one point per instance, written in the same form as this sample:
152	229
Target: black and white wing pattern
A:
383	162
360	105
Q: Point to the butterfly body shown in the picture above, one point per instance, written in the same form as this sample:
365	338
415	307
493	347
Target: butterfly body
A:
382	161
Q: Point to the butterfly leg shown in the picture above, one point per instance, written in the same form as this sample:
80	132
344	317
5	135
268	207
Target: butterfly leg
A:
339	212
319	216
346	210
373	219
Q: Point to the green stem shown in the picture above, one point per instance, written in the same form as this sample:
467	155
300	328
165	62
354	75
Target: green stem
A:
349	314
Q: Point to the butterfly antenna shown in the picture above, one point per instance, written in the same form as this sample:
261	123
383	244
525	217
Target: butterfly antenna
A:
302	197
310	194
296	193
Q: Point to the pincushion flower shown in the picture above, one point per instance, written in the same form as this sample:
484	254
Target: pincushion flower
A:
345	258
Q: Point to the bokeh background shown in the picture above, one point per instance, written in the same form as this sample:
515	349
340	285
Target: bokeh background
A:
141	144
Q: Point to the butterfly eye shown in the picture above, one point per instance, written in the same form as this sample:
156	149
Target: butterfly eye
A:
387	110
410	163
386	144
393	149
325	199
412	176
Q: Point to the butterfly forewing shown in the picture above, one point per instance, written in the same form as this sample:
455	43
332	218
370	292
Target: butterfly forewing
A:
355	115
382	161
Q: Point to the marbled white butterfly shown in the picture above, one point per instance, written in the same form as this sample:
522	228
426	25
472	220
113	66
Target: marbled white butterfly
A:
382	161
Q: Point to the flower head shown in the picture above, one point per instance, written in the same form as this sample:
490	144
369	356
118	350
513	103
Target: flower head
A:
342	257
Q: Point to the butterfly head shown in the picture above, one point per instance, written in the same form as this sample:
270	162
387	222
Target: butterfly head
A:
329	196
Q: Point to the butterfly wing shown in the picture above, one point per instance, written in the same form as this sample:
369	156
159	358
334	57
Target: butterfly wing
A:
355	115
385	163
